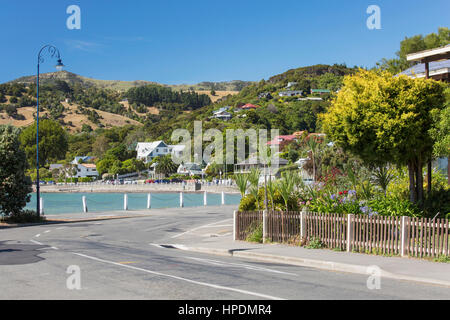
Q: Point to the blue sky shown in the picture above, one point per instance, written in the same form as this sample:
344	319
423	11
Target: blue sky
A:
175	42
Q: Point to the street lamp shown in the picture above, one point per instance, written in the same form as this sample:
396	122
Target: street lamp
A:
52	51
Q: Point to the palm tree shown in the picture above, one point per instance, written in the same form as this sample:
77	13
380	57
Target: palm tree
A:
271	189
166	166
382	176
286	186
242	183
253	178
313	146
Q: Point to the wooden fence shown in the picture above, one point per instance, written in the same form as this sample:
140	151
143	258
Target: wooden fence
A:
418	237
246	223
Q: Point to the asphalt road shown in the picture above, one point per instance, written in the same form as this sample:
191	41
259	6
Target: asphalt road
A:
122	259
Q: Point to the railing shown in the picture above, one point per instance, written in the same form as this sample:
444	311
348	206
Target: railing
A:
405	236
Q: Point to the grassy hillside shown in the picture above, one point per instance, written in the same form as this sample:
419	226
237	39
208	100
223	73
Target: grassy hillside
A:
123	86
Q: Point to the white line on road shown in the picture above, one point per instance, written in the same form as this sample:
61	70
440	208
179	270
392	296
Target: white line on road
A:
239	265
37	242
38	235
204	226
47	231
215	286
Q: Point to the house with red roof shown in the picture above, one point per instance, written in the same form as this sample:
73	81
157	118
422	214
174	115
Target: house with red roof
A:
249	106
282	141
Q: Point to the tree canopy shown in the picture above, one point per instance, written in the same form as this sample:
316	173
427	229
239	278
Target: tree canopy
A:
52	142
14	185
383	118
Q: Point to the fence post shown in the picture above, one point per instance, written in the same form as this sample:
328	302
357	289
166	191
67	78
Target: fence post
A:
149	201
264	225
205	199
303	223
405	237
350	218
181	200
85	208
41	206
234	225
223	198
125	201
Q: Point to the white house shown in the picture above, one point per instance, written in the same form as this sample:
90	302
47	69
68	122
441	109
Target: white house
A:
85	170
82	158
190	169
77	170
146	151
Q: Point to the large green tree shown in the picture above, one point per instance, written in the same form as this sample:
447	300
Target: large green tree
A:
166	166
386	119
52	142
14	185
441	131
414	44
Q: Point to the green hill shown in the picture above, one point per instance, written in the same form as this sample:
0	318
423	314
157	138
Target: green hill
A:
118	85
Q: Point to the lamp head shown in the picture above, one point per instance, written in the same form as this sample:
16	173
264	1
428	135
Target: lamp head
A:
59	65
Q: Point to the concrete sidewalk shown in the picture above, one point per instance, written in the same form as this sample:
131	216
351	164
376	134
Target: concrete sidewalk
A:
409	269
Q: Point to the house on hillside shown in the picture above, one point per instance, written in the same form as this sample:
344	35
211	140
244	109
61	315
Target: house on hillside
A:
82	159
310	99
291	84
320	91
249	106
86	170
265	95
147	151
292	93
282	141
76	170
222	114
191	169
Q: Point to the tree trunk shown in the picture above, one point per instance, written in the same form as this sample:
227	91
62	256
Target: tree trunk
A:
429	177
419	178
412	185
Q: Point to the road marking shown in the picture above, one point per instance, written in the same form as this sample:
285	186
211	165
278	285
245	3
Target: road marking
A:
215	286
47	231
54	248
240	265
37	242
38	235
127	262
204	226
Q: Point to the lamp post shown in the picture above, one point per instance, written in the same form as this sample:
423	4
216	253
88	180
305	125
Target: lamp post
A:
52	51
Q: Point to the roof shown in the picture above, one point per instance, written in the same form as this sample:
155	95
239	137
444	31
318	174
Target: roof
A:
320	90
249	106
430	55
279	139
89	165
145	148
83	158
436	68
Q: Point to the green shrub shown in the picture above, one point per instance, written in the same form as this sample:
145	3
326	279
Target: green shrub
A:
256	235
247	203
24	216
315	243
394	207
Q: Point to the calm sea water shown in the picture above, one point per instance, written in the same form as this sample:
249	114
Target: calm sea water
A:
59	203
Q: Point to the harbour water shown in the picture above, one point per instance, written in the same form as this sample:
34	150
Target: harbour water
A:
59	203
